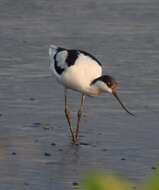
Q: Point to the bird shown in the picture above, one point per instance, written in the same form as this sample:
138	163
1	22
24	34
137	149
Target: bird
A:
80	71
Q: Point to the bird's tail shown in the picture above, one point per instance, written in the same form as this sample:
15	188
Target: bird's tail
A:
52	50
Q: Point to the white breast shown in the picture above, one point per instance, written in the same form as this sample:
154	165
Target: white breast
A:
80	75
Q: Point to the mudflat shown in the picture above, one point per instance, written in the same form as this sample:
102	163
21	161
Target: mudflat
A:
35	149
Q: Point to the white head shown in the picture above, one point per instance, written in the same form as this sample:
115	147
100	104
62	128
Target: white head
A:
106	83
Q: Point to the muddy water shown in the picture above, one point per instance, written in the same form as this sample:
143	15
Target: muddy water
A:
35	151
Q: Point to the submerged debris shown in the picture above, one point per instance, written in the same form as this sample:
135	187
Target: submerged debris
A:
47	154
32	99
104	149
84	143
75	183
36	124
153	168
53	144
26	184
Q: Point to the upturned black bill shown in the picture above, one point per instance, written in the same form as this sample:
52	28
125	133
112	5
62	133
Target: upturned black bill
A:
122	105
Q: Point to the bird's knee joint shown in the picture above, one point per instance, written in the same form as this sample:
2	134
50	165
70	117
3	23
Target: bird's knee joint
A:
79	113
67	112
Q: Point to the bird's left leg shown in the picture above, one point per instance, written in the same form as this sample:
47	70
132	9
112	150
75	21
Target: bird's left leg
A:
79	114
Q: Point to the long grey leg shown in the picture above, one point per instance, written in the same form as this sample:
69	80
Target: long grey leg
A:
79	114
68	117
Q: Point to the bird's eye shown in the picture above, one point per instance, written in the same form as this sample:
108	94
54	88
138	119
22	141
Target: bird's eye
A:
109	84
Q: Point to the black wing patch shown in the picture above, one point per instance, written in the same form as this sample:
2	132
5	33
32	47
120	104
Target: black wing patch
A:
71	57
70	60
58	69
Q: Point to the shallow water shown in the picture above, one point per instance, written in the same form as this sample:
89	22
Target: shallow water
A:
123	35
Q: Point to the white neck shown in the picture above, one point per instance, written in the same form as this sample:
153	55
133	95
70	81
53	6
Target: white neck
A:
93	90
97	88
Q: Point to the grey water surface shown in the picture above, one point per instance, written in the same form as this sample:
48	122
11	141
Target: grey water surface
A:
35	149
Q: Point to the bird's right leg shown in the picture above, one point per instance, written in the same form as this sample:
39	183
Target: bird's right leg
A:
68	117
79	117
